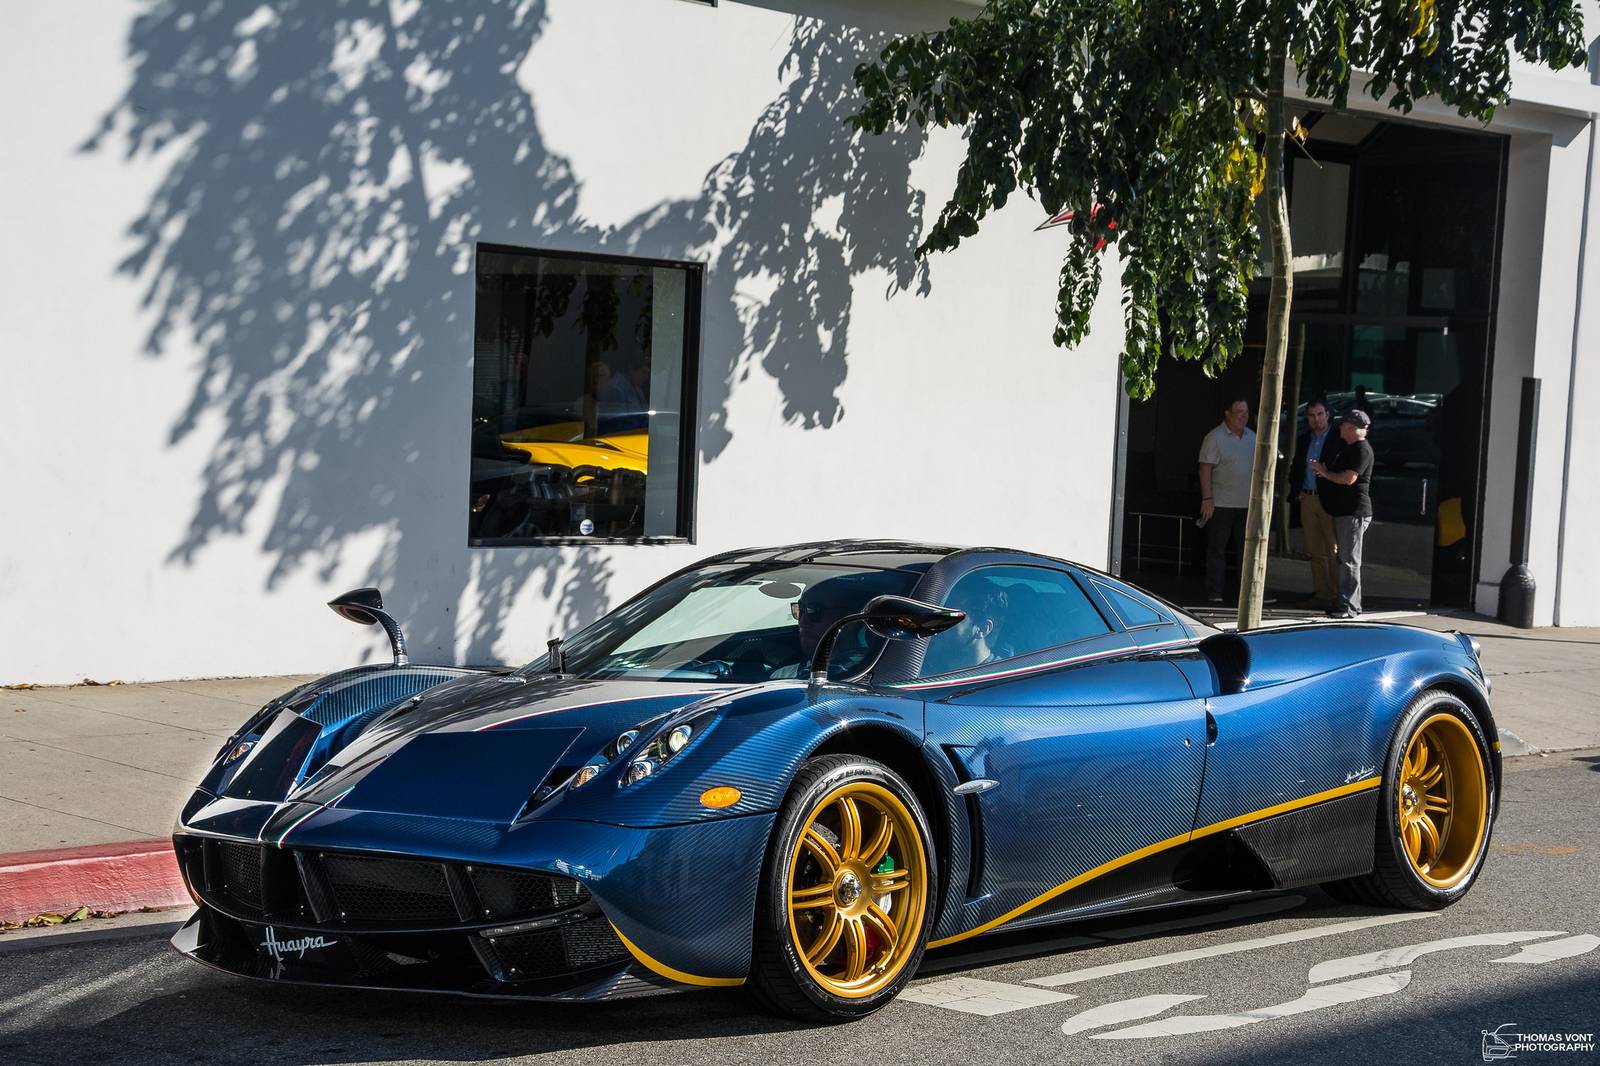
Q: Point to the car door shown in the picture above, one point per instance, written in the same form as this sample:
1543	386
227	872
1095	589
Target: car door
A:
1096	746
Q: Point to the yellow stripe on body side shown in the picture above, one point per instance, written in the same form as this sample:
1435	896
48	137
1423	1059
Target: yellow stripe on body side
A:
668	972
1160	846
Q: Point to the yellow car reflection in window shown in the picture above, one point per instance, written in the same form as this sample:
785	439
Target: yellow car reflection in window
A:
616	451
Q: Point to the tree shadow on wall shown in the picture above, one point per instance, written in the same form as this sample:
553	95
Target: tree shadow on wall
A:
327	168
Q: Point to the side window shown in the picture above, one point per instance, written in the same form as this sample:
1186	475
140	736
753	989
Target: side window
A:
1011	611
1134	613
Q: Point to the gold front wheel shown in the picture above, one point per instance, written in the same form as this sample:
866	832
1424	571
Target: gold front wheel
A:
857	889
1442	802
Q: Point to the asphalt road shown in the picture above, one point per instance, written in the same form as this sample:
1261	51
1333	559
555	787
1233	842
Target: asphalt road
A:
1293	978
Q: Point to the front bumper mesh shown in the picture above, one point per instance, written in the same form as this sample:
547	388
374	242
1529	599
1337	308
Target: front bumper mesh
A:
394	922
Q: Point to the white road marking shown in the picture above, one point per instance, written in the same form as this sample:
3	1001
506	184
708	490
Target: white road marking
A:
971	995
1318	998
1390	958
1123	1010
1174	958
1252	909
1550	951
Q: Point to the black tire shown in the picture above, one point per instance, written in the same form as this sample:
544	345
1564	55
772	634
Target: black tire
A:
780	980
1395	881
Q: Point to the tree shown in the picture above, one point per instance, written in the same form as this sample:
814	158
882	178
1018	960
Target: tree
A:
1159	124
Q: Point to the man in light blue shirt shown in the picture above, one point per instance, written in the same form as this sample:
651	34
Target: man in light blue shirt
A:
1315	444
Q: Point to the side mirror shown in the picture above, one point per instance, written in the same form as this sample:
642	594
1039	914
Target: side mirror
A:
364	607
890	617
901	618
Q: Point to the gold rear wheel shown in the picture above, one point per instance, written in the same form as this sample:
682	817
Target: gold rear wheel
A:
1443	800
858	889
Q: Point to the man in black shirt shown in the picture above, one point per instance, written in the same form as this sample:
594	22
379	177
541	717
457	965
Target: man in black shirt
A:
1347	477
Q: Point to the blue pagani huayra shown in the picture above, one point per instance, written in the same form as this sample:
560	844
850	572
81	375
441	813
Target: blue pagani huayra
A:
796	769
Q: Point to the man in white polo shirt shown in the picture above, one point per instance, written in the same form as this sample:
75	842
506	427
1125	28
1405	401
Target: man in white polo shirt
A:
1227	455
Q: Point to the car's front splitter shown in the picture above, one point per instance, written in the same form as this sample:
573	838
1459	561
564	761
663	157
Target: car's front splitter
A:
444	963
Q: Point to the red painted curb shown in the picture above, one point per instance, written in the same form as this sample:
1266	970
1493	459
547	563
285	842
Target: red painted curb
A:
108	877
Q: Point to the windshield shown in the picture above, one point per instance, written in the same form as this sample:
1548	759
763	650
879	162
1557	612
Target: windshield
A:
739	623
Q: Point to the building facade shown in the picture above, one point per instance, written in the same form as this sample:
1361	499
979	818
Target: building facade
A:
511	309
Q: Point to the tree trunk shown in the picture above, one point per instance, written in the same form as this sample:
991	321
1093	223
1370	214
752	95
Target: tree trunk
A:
1258	524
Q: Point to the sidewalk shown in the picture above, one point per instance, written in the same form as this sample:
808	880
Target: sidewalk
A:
98	765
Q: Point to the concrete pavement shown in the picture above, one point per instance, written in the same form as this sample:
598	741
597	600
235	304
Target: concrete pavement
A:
104	763
1546	681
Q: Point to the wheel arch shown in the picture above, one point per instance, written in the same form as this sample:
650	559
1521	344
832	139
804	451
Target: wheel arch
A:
1473	699
900	752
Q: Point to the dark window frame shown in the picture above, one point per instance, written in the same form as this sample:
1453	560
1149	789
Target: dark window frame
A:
688	403
1072	580
1105	592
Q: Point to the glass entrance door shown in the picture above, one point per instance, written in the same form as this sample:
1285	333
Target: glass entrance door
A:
1395	240
1421	385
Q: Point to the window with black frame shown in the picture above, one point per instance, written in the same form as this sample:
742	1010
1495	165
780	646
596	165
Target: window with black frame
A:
581	377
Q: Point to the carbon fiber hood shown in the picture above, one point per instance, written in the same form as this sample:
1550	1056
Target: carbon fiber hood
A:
476	748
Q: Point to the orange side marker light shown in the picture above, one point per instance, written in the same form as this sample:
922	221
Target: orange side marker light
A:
721	796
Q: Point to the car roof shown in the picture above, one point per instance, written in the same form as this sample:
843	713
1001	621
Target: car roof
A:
920	556
874	554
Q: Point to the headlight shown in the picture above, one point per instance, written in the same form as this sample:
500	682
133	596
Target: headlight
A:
591	769
678	738
648	759
671	740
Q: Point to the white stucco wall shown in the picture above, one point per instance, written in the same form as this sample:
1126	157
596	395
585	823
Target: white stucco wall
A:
1576	597
1540	306
181	505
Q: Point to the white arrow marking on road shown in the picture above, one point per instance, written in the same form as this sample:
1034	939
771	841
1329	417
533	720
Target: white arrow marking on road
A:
972	995
1176	957
1390	958
1317	998
1123	1010
1566	948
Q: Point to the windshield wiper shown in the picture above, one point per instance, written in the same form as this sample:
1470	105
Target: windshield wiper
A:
558	662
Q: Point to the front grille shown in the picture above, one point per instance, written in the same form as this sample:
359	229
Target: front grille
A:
530	955
339	891
401	891
239	873
517	892
395	918
578	946
592	943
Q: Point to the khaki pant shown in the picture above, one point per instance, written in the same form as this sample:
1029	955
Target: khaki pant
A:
1321	546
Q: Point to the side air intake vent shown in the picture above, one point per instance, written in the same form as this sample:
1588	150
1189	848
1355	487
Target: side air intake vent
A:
1230	657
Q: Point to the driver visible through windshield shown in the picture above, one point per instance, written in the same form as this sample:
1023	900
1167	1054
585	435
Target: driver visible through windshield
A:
739	623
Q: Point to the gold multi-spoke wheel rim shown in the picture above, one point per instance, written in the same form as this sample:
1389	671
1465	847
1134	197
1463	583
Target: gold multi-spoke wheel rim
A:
1443	800
858	889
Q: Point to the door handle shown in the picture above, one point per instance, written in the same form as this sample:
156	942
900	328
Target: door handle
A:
1424	510
1211	729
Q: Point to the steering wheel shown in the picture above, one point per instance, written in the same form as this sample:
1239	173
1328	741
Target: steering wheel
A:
717	668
